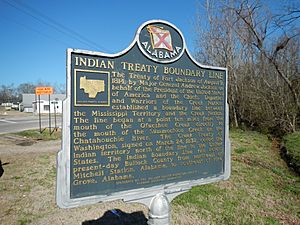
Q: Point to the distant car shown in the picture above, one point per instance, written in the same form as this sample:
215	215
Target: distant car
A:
15	106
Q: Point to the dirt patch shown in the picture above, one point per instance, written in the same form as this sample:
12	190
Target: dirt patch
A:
9	140
26	143
27	187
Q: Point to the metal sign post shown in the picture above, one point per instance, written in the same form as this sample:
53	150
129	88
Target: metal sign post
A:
40	123
44	91
49	115
55	127
55	124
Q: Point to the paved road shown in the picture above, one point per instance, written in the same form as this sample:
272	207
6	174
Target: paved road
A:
10	124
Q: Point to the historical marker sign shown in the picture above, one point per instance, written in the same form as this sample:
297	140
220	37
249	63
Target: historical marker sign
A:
149	119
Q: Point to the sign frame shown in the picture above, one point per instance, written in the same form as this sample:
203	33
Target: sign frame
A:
141	195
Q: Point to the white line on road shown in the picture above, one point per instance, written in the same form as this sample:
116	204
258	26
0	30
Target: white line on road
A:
7	121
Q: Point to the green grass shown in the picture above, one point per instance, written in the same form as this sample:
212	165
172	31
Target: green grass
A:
24	221
261	189
36	135
292	144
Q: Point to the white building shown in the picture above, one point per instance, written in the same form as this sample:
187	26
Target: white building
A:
31	103
43	106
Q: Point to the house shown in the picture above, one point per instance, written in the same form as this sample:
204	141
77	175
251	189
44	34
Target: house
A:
32	103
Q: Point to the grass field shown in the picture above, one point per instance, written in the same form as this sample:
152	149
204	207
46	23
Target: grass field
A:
261	190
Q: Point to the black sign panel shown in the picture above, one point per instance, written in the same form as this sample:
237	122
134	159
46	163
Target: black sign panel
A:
149	116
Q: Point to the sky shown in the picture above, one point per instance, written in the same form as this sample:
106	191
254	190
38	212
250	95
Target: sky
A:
35	34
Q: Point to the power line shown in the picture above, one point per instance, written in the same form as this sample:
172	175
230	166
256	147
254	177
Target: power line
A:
44	22
53	24
58	24
33	29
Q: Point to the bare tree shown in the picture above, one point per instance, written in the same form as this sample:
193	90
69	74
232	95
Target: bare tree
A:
11	93
217	46
258	28
261	52
26	88
7	93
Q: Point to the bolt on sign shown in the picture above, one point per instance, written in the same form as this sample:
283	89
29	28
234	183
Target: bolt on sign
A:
147	120
44	90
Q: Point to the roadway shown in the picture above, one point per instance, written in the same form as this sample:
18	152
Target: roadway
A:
18	121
